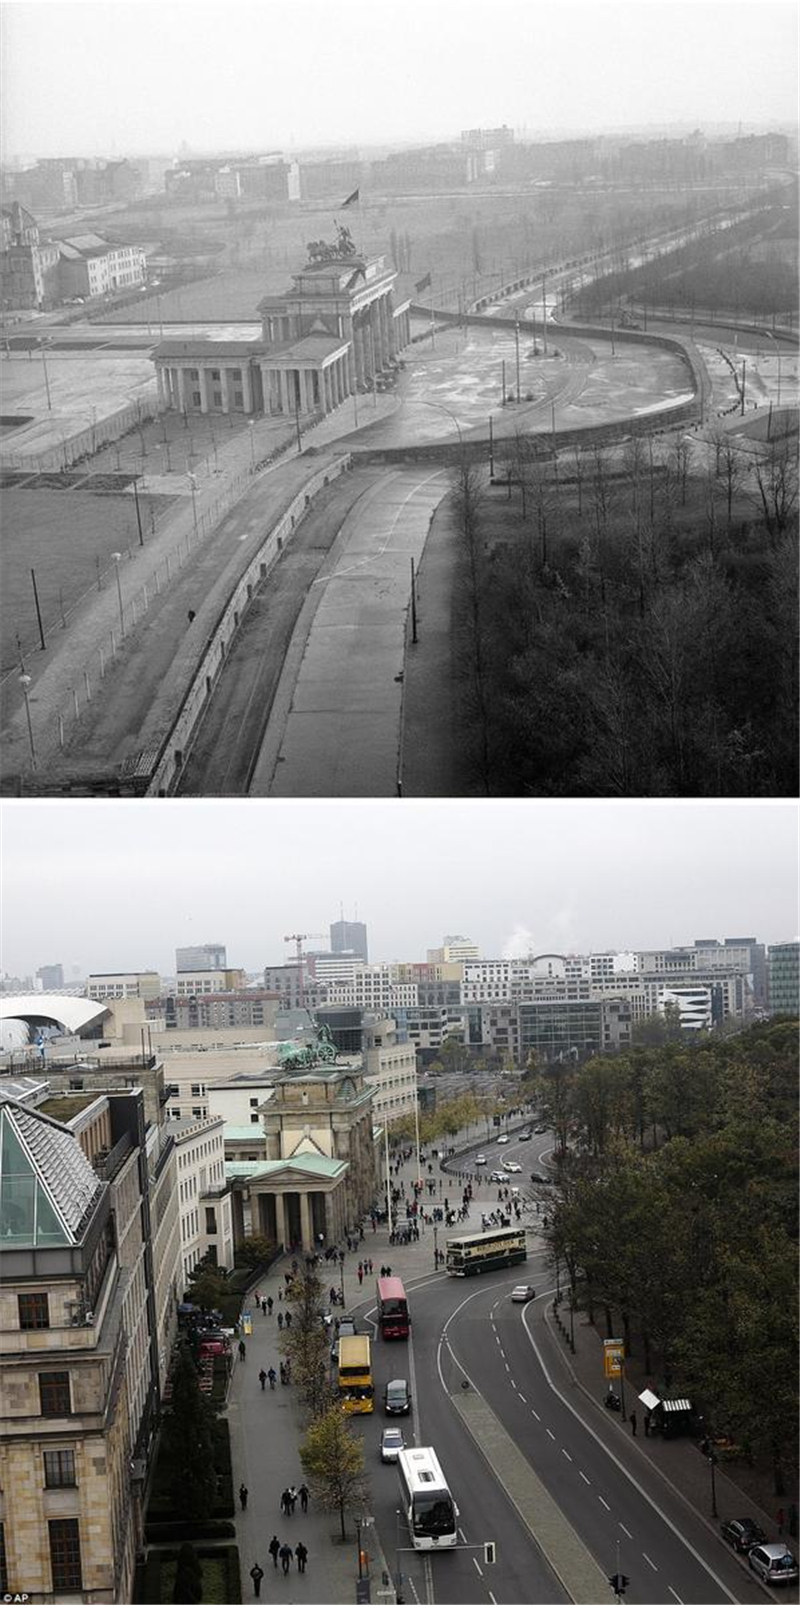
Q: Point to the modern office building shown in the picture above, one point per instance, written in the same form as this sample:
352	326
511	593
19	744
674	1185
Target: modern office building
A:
208	956
784	978
51	977
350	937
579	1029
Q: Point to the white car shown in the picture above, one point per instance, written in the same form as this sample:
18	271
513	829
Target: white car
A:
392	1441
512	1167
480	1159
521	1294
501	1139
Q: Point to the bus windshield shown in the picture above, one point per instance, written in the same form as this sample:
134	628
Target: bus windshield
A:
433	1513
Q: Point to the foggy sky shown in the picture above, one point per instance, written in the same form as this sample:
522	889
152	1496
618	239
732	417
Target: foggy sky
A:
127	76
118	886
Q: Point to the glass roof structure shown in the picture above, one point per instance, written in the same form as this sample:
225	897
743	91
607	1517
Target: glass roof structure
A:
47	1186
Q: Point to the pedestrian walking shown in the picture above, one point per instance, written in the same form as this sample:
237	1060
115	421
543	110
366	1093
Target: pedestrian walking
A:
303	1492
243	1496
262	1377
633	1423
274	1549
292	1498
286	1557
360	1274
280	1320
271	1375
263	1307
269	1305
256	1574
302	1556
242	1349
285	1503
288	1319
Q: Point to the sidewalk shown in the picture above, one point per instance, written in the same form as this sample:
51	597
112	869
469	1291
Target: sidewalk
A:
266	1429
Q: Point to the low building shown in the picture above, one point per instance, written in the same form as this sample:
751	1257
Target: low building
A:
124	984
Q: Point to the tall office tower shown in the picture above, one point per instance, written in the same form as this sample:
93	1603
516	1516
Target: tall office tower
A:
350	936
51	977
210	956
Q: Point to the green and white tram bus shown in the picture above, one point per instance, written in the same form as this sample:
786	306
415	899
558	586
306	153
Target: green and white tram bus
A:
485	1251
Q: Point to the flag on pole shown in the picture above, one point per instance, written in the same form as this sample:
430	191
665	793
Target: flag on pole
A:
351	199
422	284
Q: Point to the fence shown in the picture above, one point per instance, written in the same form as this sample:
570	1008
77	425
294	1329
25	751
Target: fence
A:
174	751
84	442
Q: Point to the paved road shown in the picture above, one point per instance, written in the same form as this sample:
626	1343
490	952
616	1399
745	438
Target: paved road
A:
335	725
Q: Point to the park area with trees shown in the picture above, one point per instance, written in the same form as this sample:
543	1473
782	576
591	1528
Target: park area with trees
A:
675	1217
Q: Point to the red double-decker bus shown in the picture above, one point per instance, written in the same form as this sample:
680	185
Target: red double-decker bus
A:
393	1318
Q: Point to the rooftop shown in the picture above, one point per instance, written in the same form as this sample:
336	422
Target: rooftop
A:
48	1189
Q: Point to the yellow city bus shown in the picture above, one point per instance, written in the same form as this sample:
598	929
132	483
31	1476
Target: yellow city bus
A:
356	1391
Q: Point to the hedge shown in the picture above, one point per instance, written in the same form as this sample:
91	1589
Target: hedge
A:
148	1576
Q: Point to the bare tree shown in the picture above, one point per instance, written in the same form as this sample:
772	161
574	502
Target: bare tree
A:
776	478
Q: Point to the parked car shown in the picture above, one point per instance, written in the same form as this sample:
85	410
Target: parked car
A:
773	1563
480	1159
743	1534
392	1441
521	1294
397	1397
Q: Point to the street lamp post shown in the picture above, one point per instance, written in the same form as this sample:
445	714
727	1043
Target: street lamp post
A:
117	556
25	681
435	1246
251	424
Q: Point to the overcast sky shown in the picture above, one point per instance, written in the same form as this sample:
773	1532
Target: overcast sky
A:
124	76
118	886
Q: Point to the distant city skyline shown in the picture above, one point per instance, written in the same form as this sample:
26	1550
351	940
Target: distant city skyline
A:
140	76
121	886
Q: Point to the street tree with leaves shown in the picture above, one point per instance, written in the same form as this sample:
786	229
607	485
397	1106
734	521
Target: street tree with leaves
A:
332	1457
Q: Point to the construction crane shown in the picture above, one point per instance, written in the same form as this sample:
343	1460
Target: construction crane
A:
299	939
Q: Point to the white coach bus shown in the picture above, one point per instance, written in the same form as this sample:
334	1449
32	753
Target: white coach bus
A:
428	1504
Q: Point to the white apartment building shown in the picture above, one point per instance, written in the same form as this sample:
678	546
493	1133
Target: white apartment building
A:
201	983
124	984
376	988
237	1099
454	950
334	968
204	1198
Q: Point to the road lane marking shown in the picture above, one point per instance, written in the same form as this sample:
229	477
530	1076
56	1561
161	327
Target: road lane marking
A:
625	1530
550	1434
569	1457
585	1478
462	1535
524	1401
491	1596
603	1502
642	1492
533	1413
674	1595
650	1562
477	1567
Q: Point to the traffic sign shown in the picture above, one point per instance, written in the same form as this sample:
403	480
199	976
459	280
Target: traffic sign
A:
613	1356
